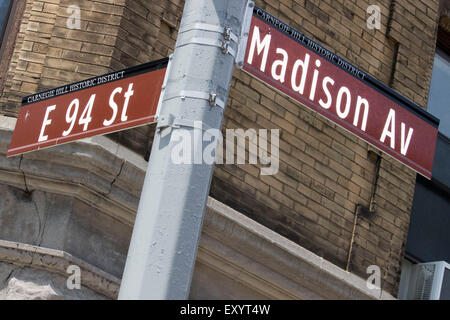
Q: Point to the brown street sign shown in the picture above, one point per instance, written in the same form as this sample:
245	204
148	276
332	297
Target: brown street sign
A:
116	101
302	69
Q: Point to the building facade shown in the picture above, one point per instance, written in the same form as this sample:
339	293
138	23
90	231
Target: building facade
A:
336	207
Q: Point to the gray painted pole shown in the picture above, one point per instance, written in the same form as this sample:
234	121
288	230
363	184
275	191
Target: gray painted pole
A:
164	244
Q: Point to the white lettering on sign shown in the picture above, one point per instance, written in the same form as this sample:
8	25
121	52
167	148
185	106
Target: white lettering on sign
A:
344	102
304	65
86	115
282	64
359	103
325	82
113	105
312	94
348	99
71	116
79	110
85	119
389	129
405	144
312	75
261	45
128	95
46	122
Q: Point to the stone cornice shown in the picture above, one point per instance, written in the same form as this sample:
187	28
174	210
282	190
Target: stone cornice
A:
270	264
57	262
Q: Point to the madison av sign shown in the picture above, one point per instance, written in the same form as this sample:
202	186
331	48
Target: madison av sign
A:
299	67
104	104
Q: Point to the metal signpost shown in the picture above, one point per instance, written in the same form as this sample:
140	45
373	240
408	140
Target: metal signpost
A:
104	104
302	69
163	247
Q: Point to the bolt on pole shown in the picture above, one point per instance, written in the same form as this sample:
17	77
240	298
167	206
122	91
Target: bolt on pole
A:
167	229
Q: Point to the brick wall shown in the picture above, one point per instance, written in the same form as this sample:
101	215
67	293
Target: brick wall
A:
9	39
324	171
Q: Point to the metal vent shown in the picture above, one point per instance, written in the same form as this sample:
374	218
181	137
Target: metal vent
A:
424	282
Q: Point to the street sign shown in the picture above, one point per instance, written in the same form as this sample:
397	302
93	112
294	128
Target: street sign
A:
309	73
116	101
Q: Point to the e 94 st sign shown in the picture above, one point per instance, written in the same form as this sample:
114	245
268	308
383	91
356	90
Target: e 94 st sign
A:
104	104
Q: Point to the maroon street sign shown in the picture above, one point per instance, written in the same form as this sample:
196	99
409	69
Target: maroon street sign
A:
309	73
104	104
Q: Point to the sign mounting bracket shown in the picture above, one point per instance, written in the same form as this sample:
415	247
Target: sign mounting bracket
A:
211	97
243	39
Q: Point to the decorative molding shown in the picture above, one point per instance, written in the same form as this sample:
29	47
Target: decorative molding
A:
57	262
270	264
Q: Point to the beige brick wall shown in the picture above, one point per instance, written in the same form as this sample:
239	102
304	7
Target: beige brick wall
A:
325	172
